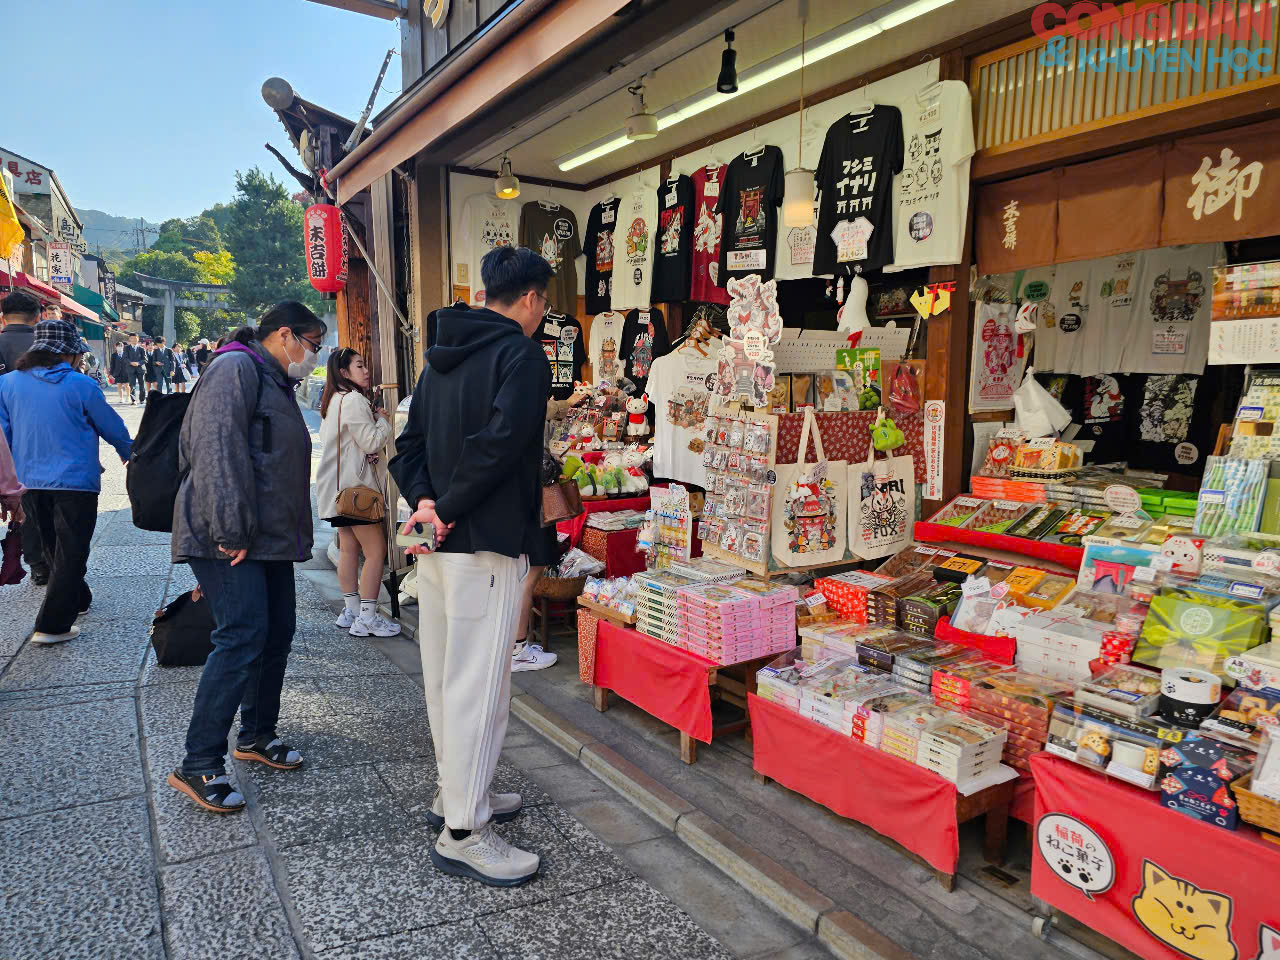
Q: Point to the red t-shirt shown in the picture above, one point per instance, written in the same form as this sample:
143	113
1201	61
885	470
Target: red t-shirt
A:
706	236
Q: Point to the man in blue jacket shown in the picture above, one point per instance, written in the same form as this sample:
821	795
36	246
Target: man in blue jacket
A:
52	418
469	461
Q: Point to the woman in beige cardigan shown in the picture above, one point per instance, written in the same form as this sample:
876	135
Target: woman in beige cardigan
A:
354	435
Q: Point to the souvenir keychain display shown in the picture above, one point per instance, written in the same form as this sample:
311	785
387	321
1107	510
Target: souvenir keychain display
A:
670	525
739	451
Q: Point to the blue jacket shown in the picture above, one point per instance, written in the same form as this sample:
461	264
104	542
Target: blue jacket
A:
52	418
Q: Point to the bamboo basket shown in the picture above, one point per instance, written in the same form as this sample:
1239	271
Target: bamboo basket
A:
558	588
1256	809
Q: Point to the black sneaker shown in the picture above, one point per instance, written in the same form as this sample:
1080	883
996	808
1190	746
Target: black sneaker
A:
212	791
271	751
40	577
86	598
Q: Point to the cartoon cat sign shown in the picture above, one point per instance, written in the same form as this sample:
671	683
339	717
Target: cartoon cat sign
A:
1179	914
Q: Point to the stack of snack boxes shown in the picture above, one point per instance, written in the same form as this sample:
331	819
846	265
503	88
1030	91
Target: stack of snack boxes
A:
1022	704
953	681
914	669
878	651
883	601
847	592
920	612
961	749
900	735
657	609
731	623
868	721
1198	778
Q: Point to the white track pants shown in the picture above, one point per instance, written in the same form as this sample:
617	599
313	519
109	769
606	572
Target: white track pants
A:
468	606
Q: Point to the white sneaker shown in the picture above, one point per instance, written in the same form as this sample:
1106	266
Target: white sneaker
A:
376	626
486	857
530	656
345	619
502	806
47	639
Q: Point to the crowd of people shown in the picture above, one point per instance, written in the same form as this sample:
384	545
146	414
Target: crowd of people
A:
468	462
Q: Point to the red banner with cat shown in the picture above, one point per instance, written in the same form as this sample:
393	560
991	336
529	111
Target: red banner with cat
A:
1156	881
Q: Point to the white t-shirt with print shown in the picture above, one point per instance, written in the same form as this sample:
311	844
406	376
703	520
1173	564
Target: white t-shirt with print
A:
680	390
931	195
605	346
487	222
1173	304
1036	286
1112	304
1071	309
634	238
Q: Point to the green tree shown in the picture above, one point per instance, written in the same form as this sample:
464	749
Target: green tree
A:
186	326
163	266
264	235
220	214
189	236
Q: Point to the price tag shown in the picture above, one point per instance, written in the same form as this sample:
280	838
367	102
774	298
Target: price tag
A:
1213	496
644	316
551	328
1000	591
1120	498
672	199
1144	574
815	599
711	189
1249	591
1250	413
1127	522
1161	563
607	215
976	587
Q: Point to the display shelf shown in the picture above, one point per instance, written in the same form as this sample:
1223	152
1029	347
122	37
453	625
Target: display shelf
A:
1061	554
906	803
607	613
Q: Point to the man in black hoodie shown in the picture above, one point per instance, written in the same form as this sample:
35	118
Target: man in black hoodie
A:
469	461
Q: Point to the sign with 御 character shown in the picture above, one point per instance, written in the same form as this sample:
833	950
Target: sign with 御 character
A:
1222	186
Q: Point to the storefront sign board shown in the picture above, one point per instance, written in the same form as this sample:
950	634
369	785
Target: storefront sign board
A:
935	415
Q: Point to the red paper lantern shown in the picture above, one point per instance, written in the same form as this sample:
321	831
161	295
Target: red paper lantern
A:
325	241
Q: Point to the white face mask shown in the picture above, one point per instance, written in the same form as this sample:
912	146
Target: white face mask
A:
301	369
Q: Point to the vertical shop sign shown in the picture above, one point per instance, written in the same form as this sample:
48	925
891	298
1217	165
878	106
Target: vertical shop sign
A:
934	417
61	263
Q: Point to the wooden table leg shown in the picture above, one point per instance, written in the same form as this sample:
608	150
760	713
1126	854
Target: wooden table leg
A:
543	629
601	697
760	777
947	880
996	841
688	748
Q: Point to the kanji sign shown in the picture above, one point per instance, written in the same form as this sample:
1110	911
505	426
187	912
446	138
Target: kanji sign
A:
1221	186
28	177
61	263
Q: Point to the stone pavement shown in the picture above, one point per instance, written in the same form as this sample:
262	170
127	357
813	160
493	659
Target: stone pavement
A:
103	859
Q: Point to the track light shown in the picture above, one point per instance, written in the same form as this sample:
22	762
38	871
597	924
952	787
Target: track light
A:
507	187
728	79
641	125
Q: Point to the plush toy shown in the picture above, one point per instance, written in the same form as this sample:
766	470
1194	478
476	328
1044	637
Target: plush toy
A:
585	481
886	436
633	461
585	437
637	419
608	484
571	466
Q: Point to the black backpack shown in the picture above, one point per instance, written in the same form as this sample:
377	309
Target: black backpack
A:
152	477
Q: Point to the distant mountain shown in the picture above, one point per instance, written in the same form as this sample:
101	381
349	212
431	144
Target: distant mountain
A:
114	233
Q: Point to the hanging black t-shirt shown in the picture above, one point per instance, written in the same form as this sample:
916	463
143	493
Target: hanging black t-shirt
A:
644	339
1171	429
597	244
861	156
749	201
561	340
671	262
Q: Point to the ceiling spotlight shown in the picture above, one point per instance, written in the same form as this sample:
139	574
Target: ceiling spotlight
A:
641	125
728	79
507	187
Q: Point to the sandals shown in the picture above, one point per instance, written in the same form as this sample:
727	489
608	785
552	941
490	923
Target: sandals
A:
271	752
211	791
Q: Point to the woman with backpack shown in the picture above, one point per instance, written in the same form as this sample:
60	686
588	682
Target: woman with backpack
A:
179	368
52	418
242	519
354	434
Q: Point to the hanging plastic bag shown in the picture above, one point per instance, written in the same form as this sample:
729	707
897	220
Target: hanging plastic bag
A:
1035	411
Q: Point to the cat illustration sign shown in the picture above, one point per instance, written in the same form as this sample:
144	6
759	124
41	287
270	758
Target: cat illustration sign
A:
1076	853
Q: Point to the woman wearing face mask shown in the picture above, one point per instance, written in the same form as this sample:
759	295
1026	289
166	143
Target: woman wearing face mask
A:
242	520
354	434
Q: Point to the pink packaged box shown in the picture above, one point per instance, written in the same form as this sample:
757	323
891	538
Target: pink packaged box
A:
718	600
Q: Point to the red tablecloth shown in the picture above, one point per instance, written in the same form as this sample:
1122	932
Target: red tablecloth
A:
663	681
575	526
913	806
1138	890
1001	649
847	436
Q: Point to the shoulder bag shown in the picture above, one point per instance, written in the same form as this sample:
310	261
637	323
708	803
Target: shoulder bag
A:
810	503
358	502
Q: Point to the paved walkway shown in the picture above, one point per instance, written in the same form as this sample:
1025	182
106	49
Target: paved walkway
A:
102	859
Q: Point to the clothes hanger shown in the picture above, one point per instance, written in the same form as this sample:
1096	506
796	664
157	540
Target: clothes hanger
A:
864	107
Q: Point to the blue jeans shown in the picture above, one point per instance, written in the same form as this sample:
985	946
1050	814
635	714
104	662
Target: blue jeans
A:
253	606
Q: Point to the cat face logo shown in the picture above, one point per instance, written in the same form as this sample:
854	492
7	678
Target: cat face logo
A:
1192	921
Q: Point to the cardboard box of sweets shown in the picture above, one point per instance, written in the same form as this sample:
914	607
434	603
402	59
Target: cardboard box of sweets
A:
1018	695
1036	523
1238	717
847	592
1124	690
879	651
821	640
1189	628
910	559
1128	749
960	675
958	512
959	568
1200	771
882	603
1074	527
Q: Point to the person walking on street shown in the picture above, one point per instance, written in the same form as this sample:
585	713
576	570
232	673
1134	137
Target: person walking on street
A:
354	434
179	374
52	418
136	357
18	313
11	491
118	370
202	355
242	519
469	463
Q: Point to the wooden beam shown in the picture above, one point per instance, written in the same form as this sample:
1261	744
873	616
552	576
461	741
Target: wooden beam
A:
537	181
429	249
947	367
383	9
412	46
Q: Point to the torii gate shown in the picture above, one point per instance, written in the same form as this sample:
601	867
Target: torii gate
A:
170	289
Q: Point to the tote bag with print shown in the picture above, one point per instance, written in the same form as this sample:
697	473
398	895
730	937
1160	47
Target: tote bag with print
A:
809	524
882	506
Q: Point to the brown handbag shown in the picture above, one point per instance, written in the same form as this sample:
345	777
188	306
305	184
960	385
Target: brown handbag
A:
358	502
561	500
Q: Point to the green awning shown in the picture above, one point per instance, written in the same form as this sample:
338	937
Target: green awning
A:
94	301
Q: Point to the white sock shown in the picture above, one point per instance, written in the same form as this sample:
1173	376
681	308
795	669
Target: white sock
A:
368	608
352	601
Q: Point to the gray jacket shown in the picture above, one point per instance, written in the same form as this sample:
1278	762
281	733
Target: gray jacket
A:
246	452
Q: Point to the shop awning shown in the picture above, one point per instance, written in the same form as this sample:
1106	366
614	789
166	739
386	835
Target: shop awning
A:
461	87
96	302
42	290
81	313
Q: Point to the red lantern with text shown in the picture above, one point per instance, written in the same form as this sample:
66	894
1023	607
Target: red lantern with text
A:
326	247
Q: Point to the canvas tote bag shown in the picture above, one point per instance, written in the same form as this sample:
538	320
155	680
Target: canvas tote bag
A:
810	502
882	506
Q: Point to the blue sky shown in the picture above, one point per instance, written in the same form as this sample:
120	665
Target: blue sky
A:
146	108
